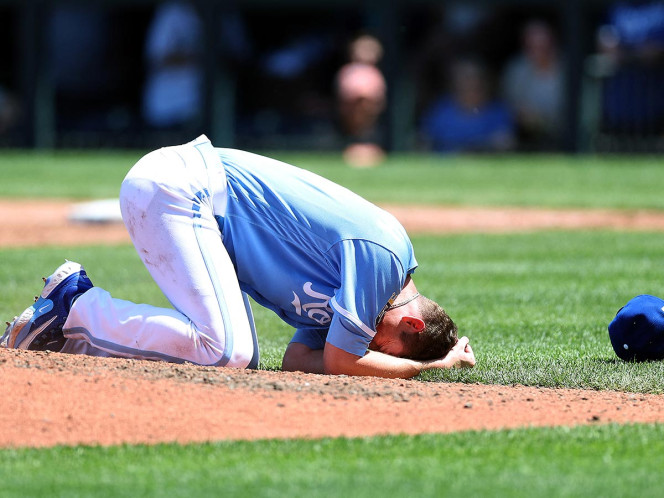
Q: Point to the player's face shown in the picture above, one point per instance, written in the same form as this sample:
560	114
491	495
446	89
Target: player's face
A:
389	333
395	330
387	343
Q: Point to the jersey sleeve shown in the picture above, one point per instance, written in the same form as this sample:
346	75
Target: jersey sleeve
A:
313	338
370	276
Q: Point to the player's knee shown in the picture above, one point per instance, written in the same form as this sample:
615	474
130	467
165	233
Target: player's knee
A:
245	358
209	352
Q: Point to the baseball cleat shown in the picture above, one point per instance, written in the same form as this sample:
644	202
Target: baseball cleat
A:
39	327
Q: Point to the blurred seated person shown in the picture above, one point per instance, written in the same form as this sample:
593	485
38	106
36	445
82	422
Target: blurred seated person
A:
365	49
361	98
533	86
468	119
632	45
172	94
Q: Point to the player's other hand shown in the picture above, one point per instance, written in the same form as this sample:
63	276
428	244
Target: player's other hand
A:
463	354
460	356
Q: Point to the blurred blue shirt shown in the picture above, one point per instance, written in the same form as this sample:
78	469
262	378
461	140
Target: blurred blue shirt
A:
637	24
452	128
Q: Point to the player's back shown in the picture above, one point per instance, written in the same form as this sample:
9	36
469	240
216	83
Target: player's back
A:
304	201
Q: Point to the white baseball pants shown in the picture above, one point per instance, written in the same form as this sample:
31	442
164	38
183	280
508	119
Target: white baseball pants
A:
170	203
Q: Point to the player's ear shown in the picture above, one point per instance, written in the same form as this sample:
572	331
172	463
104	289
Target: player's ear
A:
413	324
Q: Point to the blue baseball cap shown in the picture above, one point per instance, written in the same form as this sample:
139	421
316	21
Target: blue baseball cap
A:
637	331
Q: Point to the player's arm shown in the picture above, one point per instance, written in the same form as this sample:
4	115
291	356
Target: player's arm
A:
300	357
336	361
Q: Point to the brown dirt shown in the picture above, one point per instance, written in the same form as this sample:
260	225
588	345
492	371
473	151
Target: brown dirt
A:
35	223
51	398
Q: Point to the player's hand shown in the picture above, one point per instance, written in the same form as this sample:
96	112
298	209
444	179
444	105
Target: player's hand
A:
463	354
460	356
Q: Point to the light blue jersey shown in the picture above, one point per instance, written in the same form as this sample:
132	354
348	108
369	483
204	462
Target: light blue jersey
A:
321	257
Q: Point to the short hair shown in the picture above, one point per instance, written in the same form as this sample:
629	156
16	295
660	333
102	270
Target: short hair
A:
438	336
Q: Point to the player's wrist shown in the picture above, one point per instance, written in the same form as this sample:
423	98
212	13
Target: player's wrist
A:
429	365
446	362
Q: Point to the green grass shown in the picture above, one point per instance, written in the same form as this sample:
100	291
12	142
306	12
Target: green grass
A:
73	175
536	306
602	461
557	181
554	181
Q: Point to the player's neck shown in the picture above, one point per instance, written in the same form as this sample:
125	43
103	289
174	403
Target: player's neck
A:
407	291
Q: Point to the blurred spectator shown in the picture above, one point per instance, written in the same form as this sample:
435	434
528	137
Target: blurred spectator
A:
632	46
440	34
284	96
9	111
533	86
365	49
292	60
173	89
468	119
361	98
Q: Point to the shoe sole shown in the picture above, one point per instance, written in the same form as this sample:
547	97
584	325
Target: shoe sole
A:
41	306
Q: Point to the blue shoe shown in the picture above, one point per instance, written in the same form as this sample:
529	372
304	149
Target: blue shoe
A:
39	327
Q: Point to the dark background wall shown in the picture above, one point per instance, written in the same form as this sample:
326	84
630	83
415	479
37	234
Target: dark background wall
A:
74	73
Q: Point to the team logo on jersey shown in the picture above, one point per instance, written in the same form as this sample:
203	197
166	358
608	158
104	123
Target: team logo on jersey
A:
319	311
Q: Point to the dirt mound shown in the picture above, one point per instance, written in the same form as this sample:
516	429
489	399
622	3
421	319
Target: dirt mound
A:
53	398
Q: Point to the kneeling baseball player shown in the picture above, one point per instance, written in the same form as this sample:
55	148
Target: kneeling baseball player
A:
215	225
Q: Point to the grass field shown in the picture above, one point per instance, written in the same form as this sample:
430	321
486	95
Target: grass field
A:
557	181
535	305
584	462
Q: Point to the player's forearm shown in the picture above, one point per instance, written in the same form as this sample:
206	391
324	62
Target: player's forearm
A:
300	358
375	364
